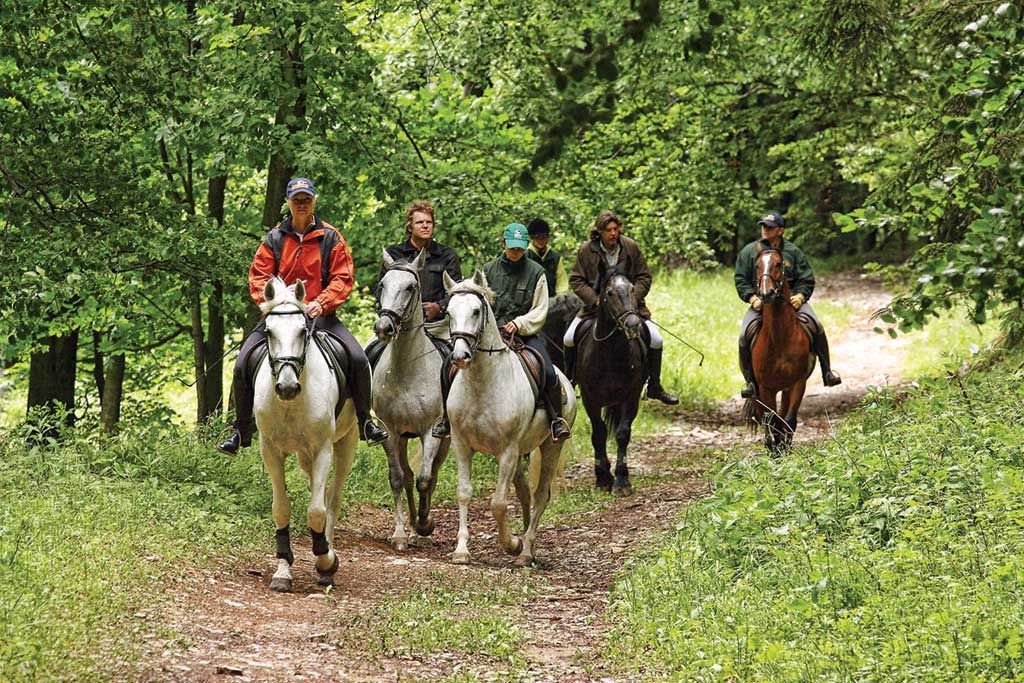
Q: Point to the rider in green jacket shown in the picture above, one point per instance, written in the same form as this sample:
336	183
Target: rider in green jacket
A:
801	287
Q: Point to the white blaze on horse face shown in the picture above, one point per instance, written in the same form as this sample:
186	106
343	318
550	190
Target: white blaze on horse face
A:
765	285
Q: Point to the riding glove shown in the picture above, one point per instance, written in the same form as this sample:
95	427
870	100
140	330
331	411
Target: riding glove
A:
755	302
797	300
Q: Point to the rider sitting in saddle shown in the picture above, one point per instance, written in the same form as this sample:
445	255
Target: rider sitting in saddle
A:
419	229
608	246
326	289
540	252
520	308
801	286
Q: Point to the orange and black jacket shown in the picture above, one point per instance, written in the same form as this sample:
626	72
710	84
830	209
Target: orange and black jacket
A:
300	260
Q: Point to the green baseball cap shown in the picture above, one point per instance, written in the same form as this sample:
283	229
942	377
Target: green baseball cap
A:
516	236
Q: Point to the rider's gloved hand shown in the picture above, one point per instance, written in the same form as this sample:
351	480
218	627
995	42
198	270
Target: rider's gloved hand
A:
755	302
797	300
314	309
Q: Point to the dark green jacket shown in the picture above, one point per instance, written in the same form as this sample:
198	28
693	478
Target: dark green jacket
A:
798	270
513	285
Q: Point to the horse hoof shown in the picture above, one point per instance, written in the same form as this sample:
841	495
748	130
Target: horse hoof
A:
401	545
426	528
281	585
524	561
460	558
325	580
423	541
622	491
603	486
517	546
328	573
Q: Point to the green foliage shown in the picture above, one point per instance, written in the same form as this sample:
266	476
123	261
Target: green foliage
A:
894	549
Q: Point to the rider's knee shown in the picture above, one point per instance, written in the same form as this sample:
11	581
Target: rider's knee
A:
568	339
656	341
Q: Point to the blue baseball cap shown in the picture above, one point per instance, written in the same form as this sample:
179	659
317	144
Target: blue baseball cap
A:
772	220
516	236
297	185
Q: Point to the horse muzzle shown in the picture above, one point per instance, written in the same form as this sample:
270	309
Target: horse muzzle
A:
385	329
286	391
631	326
462	356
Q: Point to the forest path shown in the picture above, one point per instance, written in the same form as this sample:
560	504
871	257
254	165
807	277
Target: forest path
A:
225	623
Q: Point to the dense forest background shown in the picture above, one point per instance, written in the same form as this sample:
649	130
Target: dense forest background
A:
145	147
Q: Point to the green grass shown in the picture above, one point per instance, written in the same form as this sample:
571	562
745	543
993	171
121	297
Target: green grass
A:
895	551
945	340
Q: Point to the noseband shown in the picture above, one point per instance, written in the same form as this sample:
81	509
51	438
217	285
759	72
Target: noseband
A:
777	284
399	319
297	363
473	339
619	320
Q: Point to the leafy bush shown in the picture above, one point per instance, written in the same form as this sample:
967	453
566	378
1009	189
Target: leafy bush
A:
894	550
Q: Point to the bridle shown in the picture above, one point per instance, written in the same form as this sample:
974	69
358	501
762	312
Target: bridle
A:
396	318
766	275
297	363
619	319
474	339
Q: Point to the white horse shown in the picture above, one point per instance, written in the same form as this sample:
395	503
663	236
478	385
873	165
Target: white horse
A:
492	409
407	393
296	393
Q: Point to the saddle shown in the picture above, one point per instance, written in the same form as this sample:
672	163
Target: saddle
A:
532	362
333	351
806	322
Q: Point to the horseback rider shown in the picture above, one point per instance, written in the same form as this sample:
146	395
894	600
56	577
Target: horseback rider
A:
608	246
520	308
801	286
540	251
419	230
327	287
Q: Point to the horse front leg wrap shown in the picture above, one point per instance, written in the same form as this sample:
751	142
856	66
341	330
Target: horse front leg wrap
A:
320	545
284	545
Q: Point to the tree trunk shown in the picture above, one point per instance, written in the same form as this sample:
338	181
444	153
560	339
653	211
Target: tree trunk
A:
281	168
113	386
215	312
51	379
199	354
97	363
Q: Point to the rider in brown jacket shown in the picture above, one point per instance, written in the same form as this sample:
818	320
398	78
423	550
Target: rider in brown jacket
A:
608	245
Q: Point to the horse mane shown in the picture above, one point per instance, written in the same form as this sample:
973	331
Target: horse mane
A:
468	285
283	294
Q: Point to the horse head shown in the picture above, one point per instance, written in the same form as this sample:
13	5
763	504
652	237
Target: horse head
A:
469	308
287	334
398	295
771	274
619	303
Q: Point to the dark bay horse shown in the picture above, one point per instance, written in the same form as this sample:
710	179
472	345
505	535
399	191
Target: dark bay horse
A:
782	355
611	370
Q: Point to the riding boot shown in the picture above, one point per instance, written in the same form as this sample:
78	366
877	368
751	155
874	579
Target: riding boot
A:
374	350
553	404
360	389
569	354
747	367
442	428
829	378
244	425
654	388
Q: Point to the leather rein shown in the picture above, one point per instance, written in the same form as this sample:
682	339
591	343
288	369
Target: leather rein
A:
401	319
297	363
474	339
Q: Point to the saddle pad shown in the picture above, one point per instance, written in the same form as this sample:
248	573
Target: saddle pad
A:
534	366
806	322
338	360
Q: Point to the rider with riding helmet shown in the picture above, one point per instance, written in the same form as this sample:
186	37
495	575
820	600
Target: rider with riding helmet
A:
541	252
606	248
441	259
801	286
520	308
284	253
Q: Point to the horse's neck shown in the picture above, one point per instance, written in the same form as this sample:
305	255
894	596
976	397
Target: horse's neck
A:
779	317
605	324
492	370
411	339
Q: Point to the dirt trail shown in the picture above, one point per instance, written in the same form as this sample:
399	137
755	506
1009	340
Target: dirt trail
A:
227	625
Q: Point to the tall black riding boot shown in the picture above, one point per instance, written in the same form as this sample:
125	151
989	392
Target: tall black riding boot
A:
654	389
747	367
244	425
442	428
569	354
553	404
829	378
360	390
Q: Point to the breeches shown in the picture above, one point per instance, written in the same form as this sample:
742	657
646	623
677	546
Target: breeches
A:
656	341
752	315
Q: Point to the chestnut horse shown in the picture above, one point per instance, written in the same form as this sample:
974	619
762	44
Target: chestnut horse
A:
782	355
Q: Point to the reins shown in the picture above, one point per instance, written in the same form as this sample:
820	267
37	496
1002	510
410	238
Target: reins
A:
399	320
474	339
297	363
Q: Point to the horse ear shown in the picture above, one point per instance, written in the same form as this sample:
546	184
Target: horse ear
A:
269	290
300	291
479	278
421	259
385	258
448	281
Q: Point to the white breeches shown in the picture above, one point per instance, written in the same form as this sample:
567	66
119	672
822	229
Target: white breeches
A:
567	338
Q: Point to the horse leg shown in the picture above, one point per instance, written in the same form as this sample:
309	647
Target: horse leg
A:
623	431
464	463
281	514
793	398
507	465
326	562
599	439
434	453
522	483
344	450
396	477
550	452
767	397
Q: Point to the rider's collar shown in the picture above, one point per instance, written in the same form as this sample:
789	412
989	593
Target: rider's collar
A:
768	245
286	227
512	265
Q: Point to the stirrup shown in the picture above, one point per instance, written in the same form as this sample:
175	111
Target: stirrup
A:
441	429
749	391
565	425
378	435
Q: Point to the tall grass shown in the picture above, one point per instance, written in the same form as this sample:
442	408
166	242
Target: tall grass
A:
895	551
